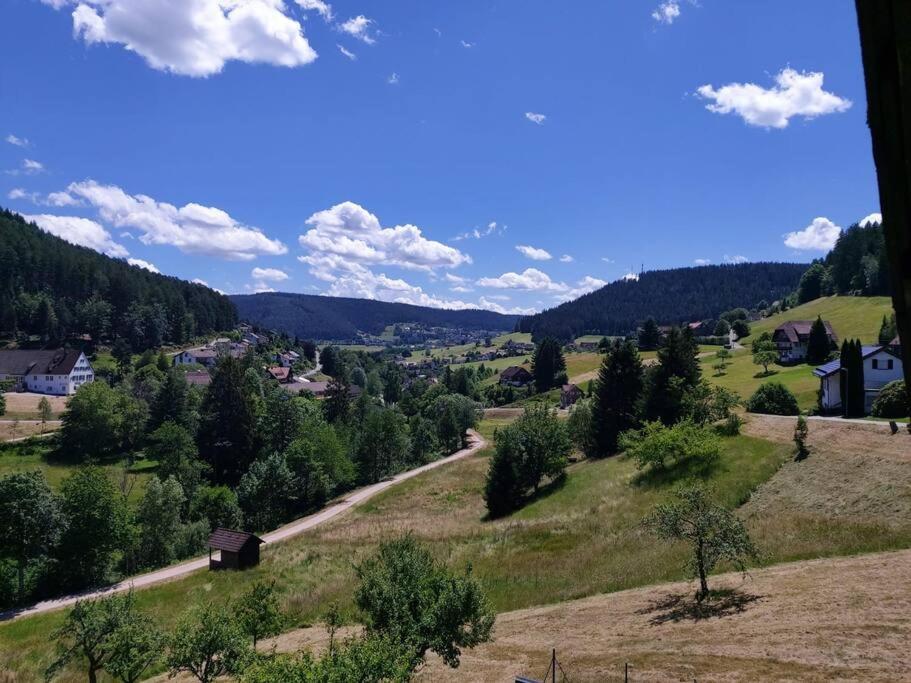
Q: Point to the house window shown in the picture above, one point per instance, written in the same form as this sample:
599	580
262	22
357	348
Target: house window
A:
875	364
889	362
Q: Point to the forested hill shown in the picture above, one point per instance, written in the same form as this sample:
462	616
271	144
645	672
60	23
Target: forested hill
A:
51	288
670	297
323	317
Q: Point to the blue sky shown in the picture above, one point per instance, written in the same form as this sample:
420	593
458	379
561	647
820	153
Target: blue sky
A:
507	155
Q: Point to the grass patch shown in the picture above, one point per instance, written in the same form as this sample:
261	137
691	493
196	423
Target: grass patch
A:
744	377
851	316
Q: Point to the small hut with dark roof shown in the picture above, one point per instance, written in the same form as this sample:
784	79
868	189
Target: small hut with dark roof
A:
237	549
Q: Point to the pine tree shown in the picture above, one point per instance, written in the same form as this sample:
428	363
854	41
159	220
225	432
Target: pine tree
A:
616	394
887	330
677	371
649	335
857	396
818	347
548	365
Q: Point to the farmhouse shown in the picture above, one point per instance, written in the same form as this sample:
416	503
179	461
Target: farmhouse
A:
282	374
206	357
882	364
59	372
515	376
569	394
792	337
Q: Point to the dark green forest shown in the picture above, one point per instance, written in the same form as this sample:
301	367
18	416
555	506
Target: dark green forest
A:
857	264
53	289
322	317
671	297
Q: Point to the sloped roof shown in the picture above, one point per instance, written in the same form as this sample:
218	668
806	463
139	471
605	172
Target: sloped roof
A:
201	378
23	362
795	329
515	372
230	540
834	366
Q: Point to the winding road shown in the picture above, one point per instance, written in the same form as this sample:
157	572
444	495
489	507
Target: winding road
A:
476	443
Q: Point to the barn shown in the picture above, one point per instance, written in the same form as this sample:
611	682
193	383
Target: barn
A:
237	549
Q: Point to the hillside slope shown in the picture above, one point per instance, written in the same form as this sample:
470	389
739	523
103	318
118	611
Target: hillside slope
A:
851	316
323	317
672	296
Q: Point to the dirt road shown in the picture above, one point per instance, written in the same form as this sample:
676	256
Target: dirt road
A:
477	442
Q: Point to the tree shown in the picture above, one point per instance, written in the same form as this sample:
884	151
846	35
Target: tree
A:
87	631
265	492
135	646
424	444
893	401
773	398
227	432
329	358
392	384
649	335
258	612
538	446
30	521
581	427
208	643
723	355
812	283
405	594
714	533
162	362
819	347
92	424
173	448
655	446
123	354
548	365
677	371
158	516
382	446
45	411
337	405
888	330
741	328
722	328
852	379
617	394
96	519
801	432
454	415
217	505
706	404
170	403
764	352
2	404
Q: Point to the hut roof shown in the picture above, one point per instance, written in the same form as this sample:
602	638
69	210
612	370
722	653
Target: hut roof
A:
232	541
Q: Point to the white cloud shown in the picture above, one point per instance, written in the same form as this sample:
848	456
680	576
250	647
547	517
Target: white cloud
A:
607	260
29	167
702	261
16	140
535	118
821	235
485	302
17	193
438	32
491	229
323	8
259	288
359	27
566	258
458	279
630	277
467	45
533	253
139	263
62	199
199	281
195	37
80	231
350	232
393	78
584	286
794	94
531	280
348	53
666	12
735	259
270	274
192	228
872	218
461	289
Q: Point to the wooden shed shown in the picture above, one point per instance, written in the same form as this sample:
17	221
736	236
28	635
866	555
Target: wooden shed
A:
237	549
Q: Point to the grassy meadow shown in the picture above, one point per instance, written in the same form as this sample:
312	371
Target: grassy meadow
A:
851	316
744	377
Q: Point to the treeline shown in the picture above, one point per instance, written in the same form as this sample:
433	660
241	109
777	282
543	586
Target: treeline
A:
53	289
857	264
324	317
671	297
240	453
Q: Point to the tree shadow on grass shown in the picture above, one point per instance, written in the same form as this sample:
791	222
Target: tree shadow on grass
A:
692	468
677	607
764	374
543	492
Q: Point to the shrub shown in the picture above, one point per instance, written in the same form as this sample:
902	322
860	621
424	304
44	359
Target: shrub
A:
893	401
656	446
773	398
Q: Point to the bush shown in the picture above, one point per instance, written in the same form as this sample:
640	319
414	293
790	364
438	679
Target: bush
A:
656	446
893	401
773	398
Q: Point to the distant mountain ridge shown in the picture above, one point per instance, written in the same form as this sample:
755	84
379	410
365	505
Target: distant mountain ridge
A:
323	317
673	296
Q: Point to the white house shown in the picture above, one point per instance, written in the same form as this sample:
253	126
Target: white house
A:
882	364
206	357
59	372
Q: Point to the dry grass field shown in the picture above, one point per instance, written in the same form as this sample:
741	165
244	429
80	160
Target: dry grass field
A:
20	429
25	406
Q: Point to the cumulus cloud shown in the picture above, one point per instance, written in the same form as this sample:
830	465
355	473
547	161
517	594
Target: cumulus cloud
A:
348	231
820	235
80	231
702	261
16	140
192	228
485	302
666	12
458	279
17	193
566	258
533	253
794	94
348	53
62	199
584	286
323	8
28	167
535	118
492	228
199	281
359	27
737	258
872	218
196	37
393	78
270	274
140	263
531	280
